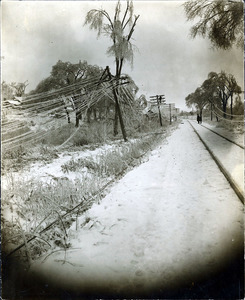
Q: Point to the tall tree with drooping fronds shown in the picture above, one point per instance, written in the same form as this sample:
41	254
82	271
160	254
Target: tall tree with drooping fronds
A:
119	29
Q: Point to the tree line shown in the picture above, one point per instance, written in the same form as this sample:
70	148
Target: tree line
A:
218	90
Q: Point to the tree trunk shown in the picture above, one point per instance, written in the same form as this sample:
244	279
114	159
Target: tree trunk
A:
116	121
224	110
68	116
89	115
78	117
94	112
201	116
231	106
121	119
67	113
224	105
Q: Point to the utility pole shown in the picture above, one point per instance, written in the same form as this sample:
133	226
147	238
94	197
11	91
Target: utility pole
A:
170	113
159	99
117	106
159	111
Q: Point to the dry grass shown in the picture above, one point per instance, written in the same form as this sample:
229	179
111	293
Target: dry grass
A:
29	207
113	161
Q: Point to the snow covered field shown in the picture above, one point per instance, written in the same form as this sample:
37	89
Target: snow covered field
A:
172	220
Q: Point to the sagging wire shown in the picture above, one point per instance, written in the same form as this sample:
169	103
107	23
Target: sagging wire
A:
69	88
231	115
227	120
96	96
33	135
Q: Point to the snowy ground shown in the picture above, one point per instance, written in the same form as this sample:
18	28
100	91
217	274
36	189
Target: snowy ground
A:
230	155
171	220
234	135
43	171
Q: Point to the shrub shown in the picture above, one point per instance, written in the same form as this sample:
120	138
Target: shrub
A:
73	165
58	136
34	205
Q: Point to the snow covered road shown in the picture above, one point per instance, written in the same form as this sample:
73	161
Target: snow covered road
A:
168	222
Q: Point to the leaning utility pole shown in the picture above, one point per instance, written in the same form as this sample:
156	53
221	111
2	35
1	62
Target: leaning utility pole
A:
159	99
117	106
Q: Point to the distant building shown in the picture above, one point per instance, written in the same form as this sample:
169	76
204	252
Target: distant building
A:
165	108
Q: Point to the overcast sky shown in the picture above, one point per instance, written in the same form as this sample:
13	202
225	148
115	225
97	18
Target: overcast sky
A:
35	35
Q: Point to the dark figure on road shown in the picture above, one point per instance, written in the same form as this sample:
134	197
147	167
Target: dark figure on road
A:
198	119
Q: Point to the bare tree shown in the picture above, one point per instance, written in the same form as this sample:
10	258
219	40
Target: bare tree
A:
220	20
